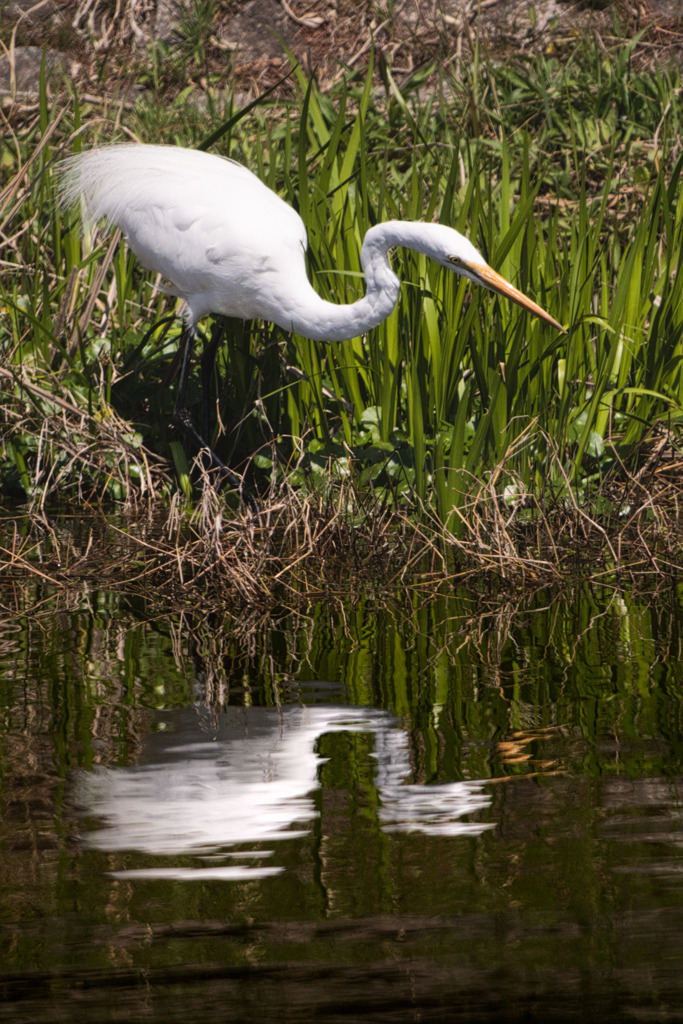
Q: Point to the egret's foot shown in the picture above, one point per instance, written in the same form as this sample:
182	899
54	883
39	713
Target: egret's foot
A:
183	421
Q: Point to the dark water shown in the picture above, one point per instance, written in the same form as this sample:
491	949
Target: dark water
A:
469	810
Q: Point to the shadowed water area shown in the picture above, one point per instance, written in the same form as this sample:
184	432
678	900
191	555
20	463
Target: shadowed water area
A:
462	808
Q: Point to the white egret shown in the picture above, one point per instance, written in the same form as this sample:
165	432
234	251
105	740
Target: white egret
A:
227	244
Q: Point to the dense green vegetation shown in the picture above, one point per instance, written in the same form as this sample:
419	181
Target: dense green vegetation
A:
565	174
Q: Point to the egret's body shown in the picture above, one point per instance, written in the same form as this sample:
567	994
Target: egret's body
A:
227	244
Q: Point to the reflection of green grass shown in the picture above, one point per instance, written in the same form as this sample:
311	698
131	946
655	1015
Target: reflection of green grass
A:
579	681
566	176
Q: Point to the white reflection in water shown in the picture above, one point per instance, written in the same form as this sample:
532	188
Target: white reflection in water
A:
253	782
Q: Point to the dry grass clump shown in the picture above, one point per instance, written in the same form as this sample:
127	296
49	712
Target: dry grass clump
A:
339	542
297	544
76	455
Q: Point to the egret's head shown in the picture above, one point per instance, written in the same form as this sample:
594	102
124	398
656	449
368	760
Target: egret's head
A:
453	250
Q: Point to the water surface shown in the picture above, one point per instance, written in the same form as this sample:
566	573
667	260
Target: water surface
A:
466	810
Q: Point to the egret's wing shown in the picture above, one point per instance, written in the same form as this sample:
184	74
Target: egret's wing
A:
222	239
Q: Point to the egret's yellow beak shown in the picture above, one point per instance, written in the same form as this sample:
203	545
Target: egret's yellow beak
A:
489	278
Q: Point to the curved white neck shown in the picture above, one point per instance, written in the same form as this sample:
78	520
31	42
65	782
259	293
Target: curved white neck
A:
315	318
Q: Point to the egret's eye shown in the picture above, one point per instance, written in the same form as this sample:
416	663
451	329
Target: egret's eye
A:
455	260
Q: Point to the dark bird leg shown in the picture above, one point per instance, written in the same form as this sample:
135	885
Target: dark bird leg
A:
208	362
183	420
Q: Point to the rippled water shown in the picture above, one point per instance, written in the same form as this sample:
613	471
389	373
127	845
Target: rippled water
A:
469	810
251	784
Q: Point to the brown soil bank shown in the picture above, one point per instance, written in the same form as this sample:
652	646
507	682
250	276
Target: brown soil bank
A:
107	51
